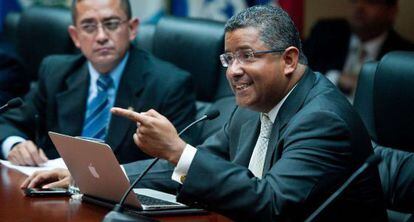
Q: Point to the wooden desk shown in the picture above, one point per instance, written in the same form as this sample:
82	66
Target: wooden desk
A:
14	206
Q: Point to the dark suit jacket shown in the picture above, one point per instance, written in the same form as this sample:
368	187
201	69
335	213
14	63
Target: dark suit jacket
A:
396	170
317	141
327	46
61	95
13	81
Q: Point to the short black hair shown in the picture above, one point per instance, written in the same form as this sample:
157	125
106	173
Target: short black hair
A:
276	28
125	5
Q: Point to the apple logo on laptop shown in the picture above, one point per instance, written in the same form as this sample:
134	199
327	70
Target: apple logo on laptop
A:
93	171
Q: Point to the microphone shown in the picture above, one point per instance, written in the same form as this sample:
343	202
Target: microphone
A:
116	214
372	160
13	103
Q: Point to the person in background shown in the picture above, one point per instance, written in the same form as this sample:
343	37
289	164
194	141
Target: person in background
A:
339	47
290	143
75	92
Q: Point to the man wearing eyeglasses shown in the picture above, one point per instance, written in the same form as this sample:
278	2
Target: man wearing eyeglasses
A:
75	93
290	143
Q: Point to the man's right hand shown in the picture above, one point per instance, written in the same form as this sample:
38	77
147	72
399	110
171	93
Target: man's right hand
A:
27	154
48	179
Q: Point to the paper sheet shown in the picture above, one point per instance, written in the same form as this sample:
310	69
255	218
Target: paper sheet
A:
49	165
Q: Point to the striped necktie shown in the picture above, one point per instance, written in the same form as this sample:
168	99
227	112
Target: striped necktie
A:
98	112
259	153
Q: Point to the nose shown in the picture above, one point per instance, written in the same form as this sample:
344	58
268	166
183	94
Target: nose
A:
101	35
234	69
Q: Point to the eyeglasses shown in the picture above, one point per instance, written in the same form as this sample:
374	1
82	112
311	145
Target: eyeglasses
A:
108	26
244	56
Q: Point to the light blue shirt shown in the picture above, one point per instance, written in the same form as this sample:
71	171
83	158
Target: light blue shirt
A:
115	74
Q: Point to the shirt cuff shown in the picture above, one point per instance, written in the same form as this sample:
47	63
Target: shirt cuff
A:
8	144
180	171
333	76
123	170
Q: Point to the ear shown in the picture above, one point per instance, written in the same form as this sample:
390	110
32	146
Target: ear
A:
133	25
290	59
74	35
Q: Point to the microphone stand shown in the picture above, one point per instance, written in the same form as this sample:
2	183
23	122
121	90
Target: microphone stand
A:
117	213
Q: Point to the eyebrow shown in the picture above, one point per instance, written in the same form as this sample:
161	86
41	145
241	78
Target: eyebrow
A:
87	20
243	47
112	18
91	20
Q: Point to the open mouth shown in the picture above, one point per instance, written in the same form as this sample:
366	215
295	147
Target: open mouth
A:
240	87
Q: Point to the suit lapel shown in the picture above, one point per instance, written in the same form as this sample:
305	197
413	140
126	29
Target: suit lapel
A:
247	141
291	106
131	84
271	147
71	103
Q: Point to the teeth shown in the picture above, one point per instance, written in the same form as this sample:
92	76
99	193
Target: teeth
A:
241	87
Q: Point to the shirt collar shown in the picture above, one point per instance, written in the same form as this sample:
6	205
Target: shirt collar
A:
275	110
115	74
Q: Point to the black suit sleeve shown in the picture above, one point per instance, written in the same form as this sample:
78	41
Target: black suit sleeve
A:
396	172
311	155
20	121
13	81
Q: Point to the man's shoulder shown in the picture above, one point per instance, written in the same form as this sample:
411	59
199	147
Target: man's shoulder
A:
324	100
59	66
63	60
327	113
395	41
325	93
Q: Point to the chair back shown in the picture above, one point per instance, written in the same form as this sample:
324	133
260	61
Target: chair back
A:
43	31
193	45
385	101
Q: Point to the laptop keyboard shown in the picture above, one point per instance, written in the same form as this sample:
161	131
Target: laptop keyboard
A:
151	201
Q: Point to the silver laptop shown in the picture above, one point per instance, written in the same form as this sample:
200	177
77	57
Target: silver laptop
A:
98	174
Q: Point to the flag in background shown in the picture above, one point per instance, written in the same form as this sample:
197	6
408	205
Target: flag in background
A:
221	10
149	11
295	9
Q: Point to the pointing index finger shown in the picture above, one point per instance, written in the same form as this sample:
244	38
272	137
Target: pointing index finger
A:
134	116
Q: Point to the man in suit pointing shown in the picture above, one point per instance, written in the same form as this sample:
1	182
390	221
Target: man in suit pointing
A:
290	143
